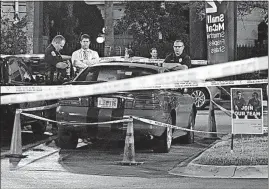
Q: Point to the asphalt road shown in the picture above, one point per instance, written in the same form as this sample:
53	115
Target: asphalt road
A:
95	166
47	173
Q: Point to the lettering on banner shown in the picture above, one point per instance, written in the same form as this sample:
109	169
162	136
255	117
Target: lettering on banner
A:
216	31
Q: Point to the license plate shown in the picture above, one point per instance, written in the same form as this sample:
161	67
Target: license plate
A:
107	103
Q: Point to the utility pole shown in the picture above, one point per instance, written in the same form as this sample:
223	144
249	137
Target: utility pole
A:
109	29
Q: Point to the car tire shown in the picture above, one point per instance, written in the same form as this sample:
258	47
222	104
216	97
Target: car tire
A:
39	127
67	139
201	97
164	143
189	137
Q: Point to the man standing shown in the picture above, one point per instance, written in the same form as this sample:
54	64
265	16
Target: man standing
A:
153	53
179	57
84	57
53	56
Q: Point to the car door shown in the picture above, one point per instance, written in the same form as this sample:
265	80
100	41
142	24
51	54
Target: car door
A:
19	75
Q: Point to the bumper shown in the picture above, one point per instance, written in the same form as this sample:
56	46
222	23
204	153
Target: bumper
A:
75	115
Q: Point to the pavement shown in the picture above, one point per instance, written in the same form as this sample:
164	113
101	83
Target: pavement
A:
191	169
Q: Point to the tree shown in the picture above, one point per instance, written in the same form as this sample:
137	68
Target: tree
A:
153	23
13	36
243	8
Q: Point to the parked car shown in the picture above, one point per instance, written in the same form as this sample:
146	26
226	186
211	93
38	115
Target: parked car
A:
14	72
37	66
169	106
201	95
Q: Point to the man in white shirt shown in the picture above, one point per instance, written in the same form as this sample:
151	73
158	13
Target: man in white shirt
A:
84	57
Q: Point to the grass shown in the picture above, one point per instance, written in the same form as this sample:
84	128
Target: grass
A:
247	150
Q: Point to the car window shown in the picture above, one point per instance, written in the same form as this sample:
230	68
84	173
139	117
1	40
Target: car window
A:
14	71
18	71
110	73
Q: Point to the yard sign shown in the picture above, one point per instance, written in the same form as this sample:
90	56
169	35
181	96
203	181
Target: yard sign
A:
247	111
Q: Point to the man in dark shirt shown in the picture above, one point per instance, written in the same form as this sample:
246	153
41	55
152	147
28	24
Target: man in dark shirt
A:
179	57
53	56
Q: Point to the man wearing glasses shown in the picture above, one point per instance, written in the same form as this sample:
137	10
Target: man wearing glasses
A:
181	60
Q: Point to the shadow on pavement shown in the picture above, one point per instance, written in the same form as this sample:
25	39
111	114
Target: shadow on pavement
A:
101	158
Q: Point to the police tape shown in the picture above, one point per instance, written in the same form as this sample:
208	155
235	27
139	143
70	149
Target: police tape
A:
144	82
227	112
75	123
41	108
151	122
28	89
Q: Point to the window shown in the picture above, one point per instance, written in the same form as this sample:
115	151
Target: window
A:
18	71
111	73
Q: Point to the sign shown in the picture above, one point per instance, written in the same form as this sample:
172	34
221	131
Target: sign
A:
247	111
218	30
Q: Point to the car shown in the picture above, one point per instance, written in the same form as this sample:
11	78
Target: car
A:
171	106
14	72
202	95
37	66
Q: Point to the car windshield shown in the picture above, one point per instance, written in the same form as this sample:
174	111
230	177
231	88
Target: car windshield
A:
111	73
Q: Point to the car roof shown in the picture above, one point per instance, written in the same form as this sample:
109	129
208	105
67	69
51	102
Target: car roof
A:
33	56
130	64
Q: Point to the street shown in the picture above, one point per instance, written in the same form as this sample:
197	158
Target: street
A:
95	165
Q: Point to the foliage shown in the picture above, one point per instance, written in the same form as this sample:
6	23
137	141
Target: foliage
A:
243	8
248	150
146	20
73	19
13	36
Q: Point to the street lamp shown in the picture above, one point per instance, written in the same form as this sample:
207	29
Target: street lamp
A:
100	39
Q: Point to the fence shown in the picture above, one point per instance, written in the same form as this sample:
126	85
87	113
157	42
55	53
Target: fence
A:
246	51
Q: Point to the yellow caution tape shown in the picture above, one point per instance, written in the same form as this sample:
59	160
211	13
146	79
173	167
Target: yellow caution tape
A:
194	74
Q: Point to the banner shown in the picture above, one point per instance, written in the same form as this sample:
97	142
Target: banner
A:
220	31
247	111
144	82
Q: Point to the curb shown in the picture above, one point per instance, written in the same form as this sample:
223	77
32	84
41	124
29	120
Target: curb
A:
210	171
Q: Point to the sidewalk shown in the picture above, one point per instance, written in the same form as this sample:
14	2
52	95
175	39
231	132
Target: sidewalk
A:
210	171
192	169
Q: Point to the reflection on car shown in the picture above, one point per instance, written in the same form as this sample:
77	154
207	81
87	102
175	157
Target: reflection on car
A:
163	105
14	72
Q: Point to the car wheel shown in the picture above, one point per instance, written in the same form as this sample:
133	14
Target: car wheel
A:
165	141
200	98
67	139
39	127
190	134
